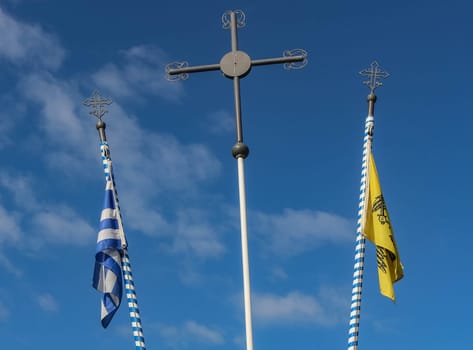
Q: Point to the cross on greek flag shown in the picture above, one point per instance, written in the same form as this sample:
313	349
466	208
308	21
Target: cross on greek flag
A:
108	258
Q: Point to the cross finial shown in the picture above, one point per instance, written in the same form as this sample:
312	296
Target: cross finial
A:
97	102
373	73
240	19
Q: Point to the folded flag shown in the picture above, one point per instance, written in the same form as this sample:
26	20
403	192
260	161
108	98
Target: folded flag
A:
108	258
379	231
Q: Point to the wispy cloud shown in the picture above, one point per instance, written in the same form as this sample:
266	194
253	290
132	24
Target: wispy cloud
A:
7	265
189	334
297	231
195	234
148	165
27	44
290	308
61	105
297	308
21	188
7	123
4	312
10	230
220	121
48	303
62	225
53	223
140	72
203	333
278	273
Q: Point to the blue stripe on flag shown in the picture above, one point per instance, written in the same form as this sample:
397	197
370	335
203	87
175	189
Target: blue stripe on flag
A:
109	244
108	223
109	202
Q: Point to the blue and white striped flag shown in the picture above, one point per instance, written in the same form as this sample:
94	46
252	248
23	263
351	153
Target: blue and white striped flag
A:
108	257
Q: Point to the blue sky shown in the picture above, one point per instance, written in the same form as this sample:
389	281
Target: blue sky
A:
177	181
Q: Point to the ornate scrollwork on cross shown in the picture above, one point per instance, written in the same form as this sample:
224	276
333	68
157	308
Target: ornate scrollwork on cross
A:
176	65
240	19
374	73
97	102
292	53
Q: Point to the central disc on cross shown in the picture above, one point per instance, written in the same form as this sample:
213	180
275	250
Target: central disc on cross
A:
235	64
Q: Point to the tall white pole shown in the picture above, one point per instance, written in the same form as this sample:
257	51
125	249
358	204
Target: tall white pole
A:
245	255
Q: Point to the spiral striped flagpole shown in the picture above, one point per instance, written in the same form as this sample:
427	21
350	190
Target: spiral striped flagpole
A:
97	102
355	309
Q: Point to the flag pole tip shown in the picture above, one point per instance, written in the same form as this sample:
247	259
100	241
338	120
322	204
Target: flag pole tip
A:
100	124
371	97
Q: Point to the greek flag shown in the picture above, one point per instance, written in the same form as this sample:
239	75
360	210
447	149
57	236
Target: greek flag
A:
108	258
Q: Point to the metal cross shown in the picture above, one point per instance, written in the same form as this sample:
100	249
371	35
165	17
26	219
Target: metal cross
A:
374	73
235	65
97	102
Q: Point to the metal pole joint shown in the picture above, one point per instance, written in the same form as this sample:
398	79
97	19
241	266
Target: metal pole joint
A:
240	150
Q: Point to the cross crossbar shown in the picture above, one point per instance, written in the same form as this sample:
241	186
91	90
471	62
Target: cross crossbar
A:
373	74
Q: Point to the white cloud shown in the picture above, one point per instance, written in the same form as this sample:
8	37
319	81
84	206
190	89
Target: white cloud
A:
295	308
189	274
48	303
10	230
111	79
147	164
141	72
21	187
62	225
386	325
278	273
297	231
220	121
7	123
54	223
189	334
60	106
4	312
69	141
7	265
194	234
22	43
203	333
240	341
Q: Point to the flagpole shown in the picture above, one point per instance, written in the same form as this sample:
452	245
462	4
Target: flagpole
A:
135	318
374	73
235	65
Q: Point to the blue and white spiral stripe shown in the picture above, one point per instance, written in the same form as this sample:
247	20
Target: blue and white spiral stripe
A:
360	242
132	301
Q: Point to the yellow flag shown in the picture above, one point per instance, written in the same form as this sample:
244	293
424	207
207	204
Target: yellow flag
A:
379	231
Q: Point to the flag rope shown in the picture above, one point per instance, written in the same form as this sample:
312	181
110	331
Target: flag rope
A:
360	240
129	283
